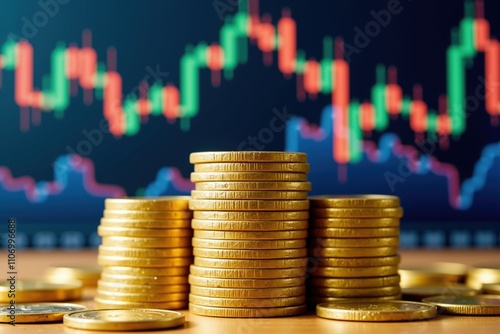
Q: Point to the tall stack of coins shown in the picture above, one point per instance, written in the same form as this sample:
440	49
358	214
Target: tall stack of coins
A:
353	249
145	253
250	229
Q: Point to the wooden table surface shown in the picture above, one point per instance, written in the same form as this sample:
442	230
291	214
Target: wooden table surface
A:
31	264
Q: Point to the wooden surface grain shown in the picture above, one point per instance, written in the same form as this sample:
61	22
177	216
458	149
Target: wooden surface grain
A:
31	264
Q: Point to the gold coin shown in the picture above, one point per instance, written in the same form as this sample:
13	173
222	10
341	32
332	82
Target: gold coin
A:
355	201
30	291
248	293
230	195
138	223
242	205
251	215
105	231
145	280
141	297
376	311
355	262
227	312
245	225
479	275
249	244
354	242
417	293
124	320
314	300
433	273
37	313
354	252
248	176
293	167
167	203
145	252
108	304
355	222
243	283
247	273
491	288
88	275
250	235
155	262
146	242
111	287
143	271
247	156
357	292
250	253
147	215
247	302
355	271
250	264
357	212
467	305
356	233
248	186
354	283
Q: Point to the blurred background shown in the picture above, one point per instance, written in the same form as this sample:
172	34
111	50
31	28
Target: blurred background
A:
108	98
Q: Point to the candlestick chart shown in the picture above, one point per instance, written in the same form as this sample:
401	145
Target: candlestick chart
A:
394	97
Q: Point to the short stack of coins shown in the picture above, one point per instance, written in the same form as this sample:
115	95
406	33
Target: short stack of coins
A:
353	248
250	225
145	253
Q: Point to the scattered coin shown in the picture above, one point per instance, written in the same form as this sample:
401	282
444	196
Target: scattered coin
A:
37	313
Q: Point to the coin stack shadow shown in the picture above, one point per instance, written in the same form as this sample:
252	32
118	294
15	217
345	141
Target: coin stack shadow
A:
145	253
353	248
250	224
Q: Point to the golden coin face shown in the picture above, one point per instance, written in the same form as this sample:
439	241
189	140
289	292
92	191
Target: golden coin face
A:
355	222
247	156
248	293
144	271
467	305
250	235
147	215
145	288
292	167
254	186
250	253
109	304
357	212
166	203
354	242
354	262
245	225
247	273
251	215
106	231
243	283
232	312
151	262
356	233
141	297
140	242
38	313
355	201
356	293
376	311
145	280
145	252
246	195
247	176
354	283
250	264
124	320
418	293
354	271
353	252
249	244
248	205
247	302
149	224
30	291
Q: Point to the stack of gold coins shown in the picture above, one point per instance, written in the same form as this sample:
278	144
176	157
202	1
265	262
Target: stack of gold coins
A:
250	228
145	253
480	277
353	248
